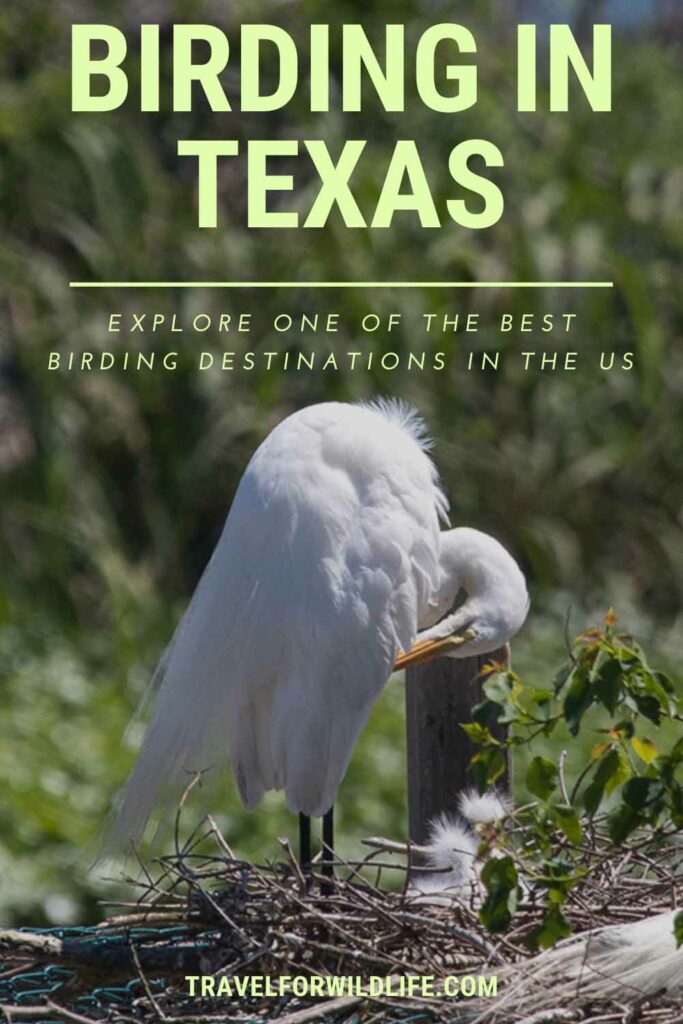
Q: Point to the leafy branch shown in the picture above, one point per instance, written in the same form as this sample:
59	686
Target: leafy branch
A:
630	780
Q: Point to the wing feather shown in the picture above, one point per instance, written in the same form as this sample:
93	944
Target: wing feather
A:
330	550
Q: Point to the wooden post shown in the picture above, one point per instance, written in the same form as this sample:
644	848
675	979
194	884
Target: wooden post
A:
440	696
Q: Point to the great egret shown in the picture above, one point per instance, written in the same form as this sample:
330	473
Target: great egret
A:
330	564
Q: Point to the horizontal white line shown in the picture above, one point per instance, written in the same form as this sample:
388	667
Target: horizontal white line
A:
341	284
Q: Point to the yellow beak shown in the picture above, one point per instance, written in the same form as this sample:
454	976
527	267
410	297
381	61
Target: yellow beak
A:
430	649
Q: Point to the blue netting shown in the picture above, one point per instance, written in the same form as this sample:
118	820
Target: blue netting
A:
31	985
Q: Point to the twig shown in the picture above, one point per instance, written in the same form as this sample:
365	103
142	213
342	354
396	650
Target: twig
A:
553	1016
456	932
319	1010
145	984
563	782
13	1012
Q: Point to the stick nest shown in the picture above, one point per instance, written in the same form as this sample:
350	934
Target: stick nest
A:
203	911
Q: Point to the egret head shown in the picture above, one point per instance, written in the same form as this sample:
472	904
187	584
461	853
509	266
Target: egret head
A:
481	602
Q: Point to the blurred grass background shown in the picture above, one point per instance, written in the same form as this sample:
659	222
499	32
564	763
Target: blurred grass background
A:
113	487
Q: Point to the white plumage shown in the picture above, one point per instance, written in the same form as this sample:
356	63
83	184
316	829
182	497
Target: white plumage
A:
622	962
484	808
452	848
330	560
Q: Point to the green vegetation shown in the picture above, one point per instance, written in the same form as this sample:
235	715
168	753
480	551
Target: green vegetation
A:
628	781
114	485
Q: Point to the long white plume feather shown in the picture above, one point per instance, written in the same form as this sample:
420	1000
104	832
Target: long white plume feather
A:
623	962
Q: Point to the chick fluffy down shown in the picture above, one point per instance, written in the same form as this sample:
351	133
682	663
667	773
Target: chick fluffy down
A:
451	850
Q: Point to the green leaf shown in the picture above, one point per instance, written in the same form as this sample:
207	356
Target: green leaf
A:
552	928
562	676
607	684
577	701
496	766
559	877
648	706
665	682
622	773
541	777
645	749
607	766
544	703
678	929
568	822
500	879
640	792
622	822
592	798
612	770
627	659
512	714
542	696
485	712
478	733
499	687
487	766
651	685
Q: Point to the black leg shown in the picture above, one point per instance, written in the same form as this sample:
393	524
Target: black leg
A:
305	846
327	888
